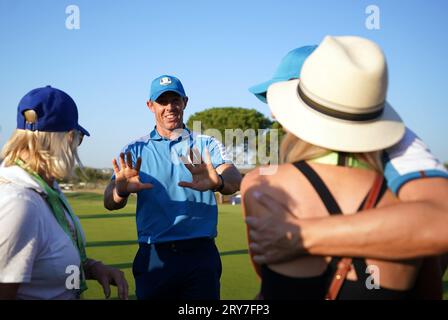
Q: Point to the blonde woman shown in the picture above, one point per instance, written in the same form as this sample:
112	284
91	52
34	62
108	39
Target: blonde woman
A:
338	124
42	245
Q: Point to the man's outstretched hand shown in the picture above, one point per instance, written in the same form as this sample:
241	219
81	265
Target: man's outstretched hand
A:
127	179
204	175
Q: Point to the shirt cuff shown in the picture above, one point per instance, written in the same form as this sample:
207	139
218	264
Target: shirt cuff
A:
400	181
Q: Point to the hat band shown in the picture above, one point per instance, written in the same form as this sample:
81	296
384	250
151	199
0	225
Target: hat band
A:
336	113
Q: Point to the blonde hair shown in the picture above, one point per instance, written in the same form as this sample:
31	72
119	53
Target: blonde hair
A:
51	153
294	149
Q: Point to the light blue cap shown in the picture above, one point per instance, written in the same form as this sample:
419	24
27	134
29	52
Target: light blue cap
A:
163	84
289	68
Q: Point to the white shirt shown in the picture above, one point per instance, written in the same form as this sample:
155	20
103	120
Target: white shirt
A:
34	249
410	159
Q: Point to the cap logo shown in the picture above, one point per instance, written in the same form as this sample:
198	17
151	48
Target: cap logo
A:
165	81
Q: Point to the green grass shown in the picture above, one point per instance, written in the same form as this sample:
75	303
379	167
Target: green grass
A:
111	237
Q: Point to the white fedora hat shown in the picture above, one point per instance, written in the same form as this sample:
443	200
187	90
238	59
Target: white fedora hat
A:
339	102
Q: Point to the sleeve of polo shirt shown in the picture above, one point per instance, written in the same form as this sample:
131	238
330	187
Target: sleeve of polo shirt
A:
19	238
408	160
218	153
125	150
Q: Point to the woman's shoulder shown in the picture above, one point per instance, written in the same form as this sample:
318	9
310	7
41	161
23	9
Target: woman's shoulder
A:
281	182
20	202
265	174
21	224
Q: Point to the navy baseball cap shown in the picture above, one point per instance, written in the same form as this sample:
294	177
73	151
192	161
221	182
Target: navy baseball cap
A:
289	68
56	111
163	84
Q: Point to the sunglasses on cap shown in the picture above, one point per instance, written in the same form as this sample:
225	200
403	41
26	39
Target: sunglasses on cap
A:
81	137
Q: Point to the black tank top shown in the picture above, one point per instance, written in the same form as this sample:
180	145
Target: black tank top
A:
277	286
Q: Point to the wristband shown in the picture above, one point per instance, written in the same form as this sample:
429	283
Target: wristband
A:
221	186
121	195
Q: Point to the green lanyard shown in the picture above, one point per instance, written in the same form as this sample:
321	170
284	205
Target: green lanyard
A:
333	158
57	203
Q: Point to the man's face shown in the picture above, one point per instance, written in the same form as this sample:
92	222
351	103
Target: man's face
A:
168	110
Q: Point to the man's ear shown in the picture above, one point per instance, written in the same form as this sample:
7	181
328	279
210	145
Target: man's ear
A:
185	102
150	105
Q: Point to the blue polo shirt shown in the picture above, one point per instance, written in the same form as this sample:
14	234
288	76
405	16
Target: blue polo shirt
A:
168	212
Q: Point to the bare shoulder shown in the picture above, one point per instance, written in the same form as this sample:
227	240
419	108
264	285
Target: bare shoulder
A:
263	176
276	182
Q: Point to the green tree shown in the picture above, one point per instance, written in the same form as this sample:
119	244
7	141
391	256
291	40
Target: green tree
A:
230	118
234	118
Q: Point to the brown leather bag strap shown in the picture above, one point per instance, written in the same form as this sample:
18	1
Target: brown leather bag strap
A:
345	264
343	268
374	192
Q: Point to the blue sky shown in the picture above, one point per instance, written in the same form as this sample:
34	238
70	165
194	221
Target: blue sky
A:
217	48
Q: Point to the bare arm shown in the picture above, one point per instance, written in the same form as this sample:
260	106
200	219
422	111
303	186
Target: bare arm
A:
112	201
8	291
414	228
232	178
410	229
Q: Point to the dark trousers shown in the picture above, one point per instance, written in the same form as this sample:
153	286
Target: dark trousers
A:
178	270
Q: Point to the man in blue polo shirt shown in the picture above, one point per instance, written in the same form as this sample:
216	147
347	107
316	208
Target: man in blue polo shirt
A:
175	173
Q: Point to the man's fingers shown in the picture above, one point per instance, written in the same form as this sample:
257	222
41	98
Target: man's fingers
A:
197	156
138	164
184	160
188	164
191	168
122	163
255	248
146	186
190	154
270	203
115	166
259	259
253	222
207	158
254	236
186	184
261	256
129	160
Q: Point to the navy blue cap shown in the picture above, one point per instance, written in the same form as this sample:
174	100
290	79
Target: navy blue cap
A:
163	84
289	68
56	111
